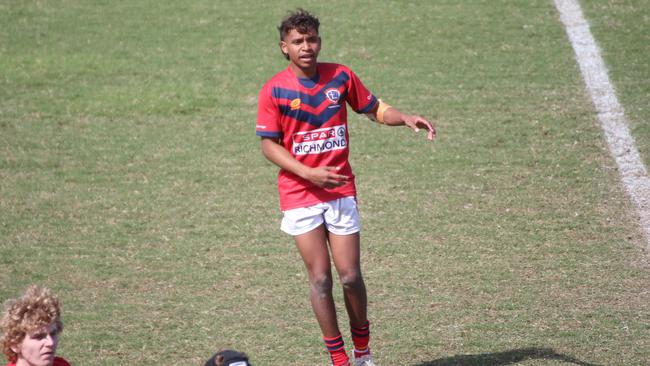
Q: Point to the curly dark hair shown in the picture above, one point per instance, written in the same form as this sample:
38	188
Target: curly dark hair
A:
300	20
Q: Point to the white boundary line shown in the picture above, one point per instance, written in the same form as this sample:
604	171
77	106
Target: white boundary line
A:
610	113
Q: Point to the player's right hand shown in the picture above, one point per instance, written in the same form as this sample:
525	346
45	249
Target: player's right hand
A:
327	177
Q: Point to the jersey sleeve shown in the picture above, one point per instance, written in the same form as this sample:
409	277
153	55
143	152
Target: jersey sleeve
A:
268	115
359	97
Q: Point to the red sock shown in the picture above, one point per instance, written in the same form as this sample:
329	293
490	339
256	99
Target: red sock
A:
361	338
336	348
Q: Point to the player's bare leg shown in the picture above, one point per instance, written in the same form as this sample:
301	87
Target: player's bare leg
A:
314	251
346	255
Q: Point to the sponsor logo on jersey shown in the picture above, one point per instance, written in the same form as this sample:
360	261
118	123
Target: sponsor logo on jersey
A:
333	95
295	104
319	141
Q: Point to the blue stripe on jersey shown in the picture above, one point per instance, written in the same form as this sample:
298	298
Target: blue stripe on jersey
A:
309	82
268	134
316	120
369	107
311	100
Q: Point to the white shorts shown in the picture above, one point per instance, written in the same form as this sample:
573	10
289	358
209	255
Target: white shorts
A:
341	217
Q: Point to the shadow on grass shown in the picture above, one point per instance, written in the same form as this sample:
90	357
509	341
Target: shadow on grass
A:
504	358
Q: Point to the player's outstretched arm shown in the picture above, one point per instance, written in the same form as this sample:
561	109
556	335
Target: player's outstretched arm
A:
324	176
391	116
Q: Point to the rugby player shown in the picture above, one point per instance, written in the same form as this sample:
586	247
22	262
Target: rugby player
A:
302	123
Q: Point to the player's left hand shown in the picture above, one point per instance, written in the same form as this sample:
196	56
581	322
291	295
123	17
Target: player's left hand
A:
416	122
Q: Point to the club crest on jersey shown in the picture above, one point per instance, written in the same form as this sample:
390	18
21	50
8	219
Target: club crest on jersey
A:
333	95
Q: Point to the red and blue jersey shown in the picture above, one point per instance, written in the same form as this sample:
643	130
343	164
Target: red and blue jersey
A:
58	361
309	118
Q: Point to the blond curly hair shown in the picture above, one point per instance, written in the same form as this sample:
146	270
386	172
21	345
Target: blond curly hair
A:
35	309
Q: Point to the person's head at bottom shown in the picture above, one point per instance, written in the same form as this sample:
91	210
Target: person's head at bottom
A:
228	357
30	328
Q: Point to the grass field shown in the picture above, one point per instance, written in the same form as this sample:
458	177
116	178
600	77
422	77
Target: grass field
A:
132	184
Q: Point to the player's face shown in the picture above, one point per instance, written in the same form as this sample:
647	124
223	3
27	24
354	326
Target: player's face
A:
38	348
303	49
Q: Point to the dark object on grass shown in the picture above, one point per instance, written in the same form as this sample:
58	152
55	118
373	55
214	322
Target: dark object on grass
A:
228	357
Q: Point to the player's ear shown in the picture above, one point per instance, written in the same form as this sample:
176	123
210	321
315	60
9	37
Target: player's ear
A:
283	49
219	360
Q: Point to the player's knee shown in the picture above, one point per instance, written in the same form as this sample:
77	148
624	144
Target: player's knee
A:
322	284
351	280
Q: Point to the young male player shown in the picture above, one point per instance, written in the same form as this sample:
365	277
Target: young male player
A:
302	122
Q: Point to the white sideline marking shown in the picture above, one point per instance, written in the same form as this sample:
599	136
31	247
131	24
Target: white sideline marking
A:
610	113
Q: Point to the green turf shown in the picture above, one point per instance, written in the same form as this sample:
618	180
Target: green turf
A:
622	29
131	182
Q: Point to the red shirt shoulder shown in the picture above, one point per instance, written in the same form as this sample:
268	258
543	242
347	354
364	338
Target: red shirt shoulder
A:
58	361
